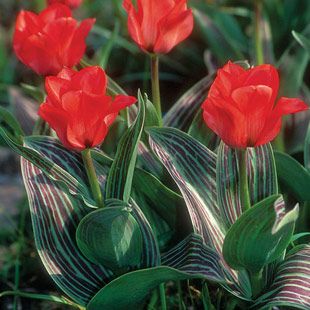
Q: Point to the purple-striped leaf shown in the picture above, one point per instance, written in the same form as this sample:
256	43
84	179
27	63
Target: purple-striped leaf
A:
262	179
55	215
291	285
193	168
189	259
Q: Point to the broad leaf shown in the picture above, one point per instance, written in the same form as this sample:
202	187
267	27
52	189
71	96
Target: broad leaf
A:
262	178
111	237
37	150
260	235
293	176
193	168
291	284
193	260
121	173
55	215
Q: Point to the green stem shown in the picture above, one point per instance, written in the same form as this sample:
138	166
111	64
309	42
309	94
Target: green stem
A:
92	177
244	187
258	35
162	295
155	86
257	282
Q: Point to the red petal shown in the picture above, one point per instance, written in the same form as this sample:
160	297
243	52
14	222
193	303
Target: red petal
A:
121	102
134	25
264	75
173	30
55	87
53	12
273	124
40	57
77	46
57	119
91	80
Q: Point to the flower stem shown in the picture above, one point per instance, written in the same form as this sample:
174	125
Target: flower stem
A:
258	35
162	295
257	283
244	187
155	86
92	177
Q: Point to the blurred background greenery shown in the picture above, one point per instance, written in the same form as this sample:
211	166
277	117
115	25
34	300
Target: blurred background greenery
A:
269	31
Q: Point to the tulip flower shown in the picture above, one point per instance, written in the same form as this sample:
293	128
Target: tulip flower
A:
158	26
73	4
78	109
241	106
50	40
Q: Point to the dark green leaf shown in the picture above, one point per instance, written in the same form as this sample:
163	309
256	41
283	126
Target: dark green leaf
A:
121	173
130	291
307	150
260	235
302	40
293	176
111	237
9	125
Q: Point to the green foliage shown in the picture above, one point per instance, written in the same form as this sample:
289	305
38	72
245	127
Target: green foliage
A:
260	235
293	176
111	237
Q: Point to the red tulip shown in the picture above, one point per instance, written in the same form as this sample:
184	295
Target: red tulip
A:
51	40
78	109
241	108
73	4
157	26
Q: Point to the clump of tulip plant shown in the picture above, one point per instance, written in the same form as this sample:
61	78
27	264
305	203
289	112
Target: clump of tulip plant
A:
203	202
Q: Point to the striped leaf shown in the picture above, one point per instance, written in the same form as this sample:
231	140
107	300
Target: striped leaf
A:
183	111
260	235
33	146
55	215
291	285
193	168
151	256
121	173
262	178
191	258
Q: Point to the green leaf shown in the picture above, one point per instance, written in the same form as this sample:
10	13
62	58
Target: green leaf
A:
191	259
218	38
291	283
193	168
111	237
292	66
293	176
201	132
31	151
260	235
55	215
262	178
302	40
10	126
34	92
121	173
